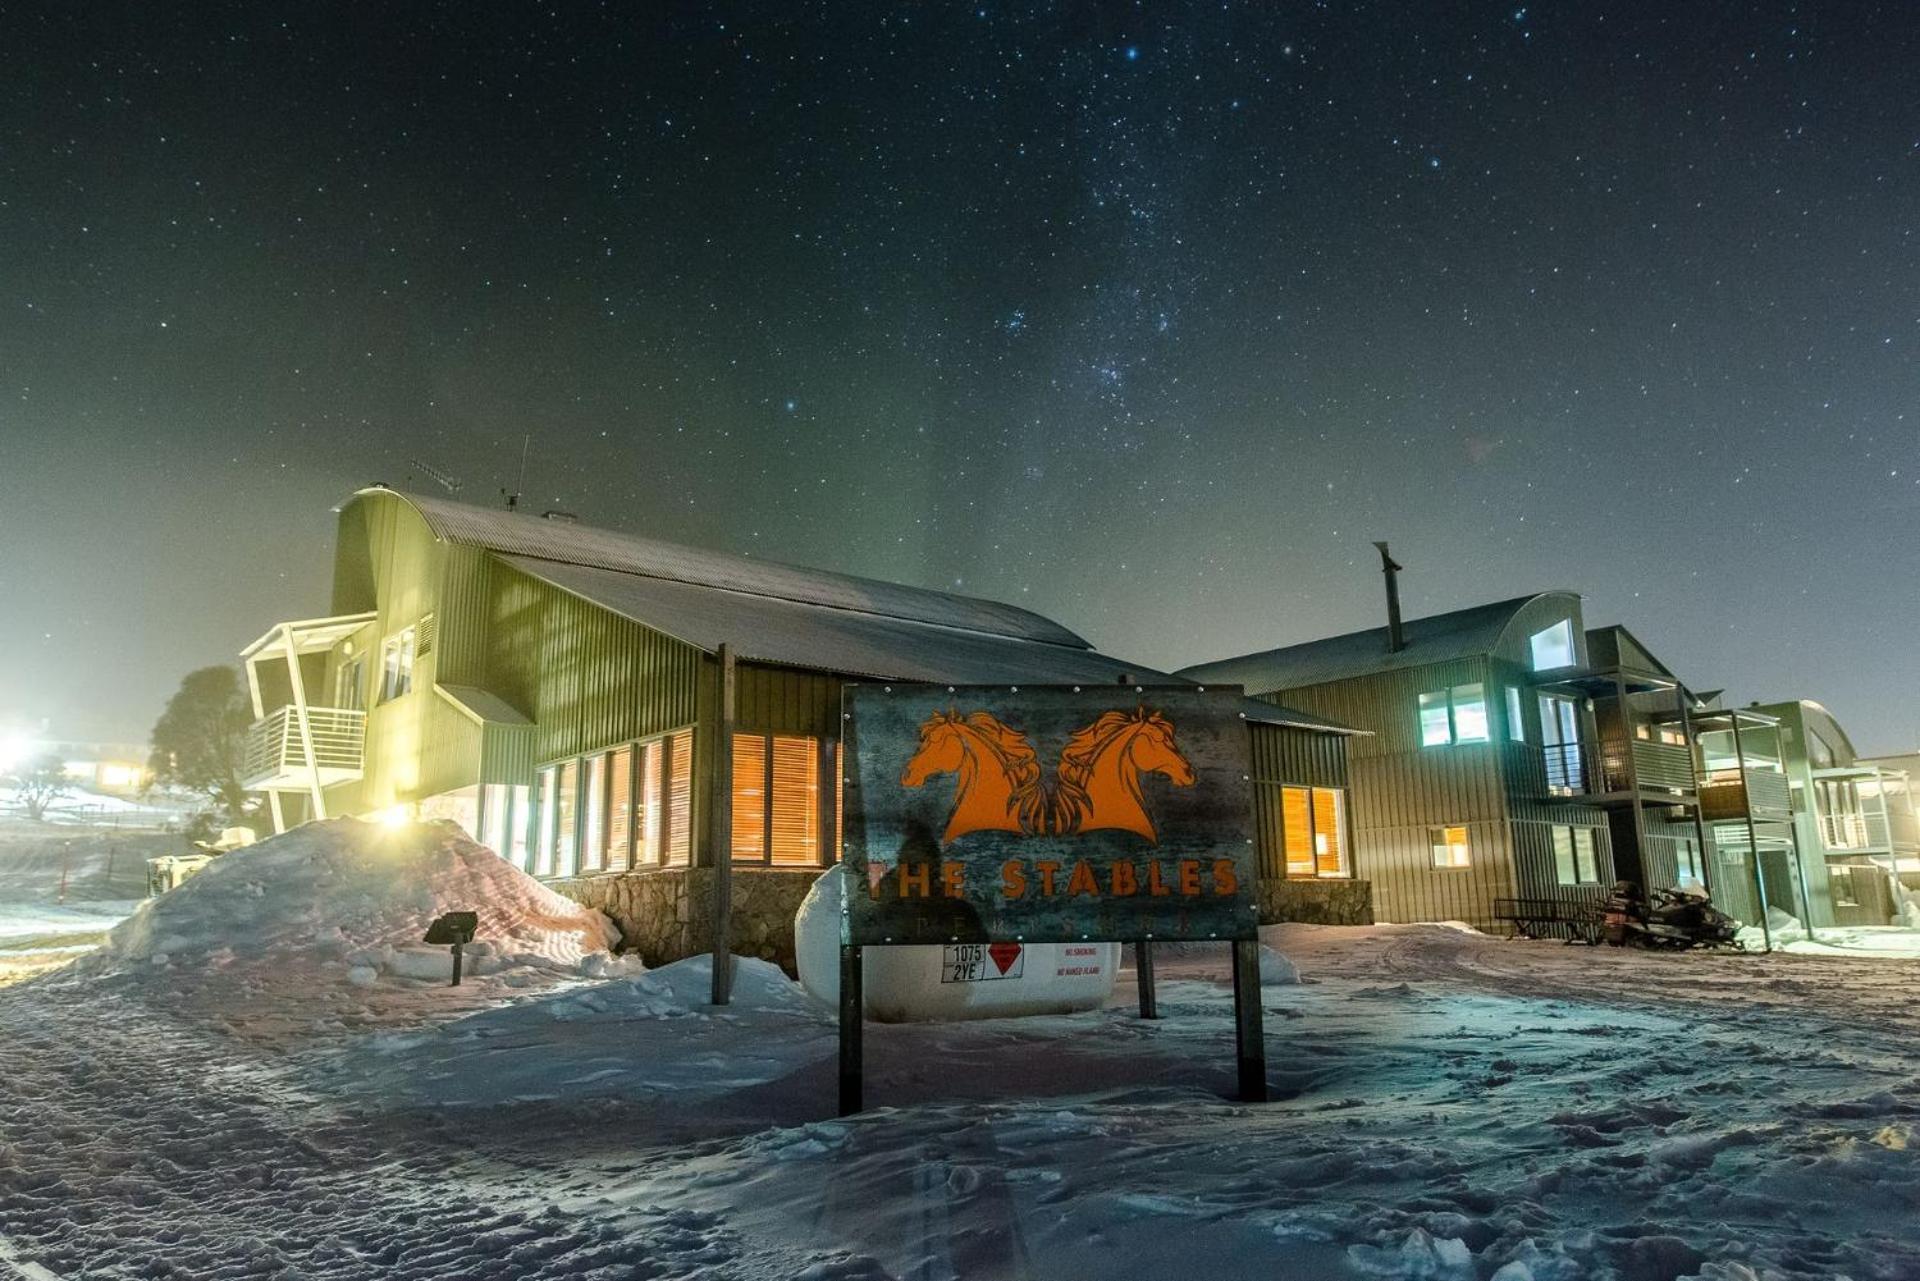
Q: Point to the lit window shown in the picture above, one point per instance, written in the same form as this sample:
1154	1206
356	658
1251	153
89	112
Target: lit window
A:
680	797
565	805
543	845
796	800
1516	718
593	826
1458	715
750	797
1313	832
1449	846
520	811
1553	647
1470	713
1296	822
646	820
776	799
1329	843
396	665
619	806
1576	856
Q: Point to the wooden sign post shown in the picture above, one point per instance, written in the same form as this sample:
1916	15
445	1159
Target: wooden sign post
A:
1051	814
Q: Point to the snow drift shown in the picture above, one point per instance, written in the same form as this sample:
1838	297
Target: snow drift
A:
357	897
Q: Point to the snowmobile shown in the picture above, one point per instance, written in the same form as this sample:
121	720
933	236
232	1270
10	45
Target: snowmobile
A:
1671	919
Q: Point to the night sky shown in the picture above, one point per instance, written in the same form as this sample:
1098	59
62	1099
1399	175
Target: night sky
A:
1149	317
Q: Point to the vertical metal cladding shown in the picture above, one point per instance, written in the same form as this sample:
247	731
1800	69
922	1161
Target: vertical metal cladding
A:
1400	791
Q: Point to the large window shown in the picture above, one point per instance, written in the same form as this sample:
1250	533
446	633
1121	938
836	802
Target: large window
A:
1457	715
619	854
679	814
505	815
566	801
593	818
1313	829
350	683
1450	848
543	843
1553	646
648	811
1576	856
396	664
776	799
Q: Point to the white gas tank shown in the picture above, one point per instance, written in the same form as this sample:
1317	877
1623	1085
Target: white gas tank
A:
963	981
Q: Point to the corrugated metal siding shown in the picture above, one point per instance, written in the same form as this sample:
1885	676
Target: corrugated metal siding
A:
462	615
1287	755
1399	790
1534	872
781	700
586	677
417	744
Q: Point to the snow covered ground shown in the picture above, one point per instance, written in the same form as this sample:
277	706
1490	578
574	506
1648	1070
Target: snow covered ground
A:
1449	1107
63	887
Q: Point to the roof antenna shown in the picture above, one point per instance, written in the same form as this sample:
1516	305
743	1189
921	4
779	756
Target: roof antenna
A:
519	486
1396	635
449	483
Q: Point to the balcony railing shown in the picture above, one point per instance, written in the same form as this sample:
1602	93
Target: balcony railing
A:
1727	795
1854	831
276	757
1577	769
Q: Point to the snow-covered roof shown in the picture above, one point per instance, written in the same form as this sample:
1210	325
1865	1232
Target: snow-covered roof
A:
794	616
1438	638
519	534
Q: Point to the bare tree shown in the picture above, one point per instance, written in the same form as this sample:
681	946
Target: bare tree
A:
38	784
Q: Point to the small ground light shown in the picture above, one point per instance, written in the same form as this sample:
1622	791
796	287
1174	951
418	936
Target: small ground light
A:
456	928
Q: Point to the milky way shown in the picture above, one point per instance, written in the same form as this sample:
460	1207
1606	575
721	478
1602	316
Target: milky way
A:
1150	317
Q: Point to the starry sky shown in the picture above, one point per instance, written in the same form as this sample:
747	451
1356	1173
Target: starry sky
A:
1149	317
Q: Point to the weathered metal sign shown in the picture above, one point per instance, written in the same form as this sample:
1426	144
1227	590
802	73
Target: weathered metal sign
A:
977	814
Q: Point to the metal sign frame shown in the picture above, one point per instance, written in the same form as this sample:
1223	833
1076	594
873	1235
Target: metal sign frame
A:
1034	814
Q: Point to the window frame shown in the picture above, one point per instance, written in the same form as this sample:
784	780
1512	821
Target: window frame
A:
1516	715
1451	698
396	664
1562	628
769	745
1307	796
1439	838
1582	858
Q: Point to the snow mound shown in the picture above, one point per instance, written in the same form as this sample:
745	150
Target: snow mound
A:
1276	969
359	895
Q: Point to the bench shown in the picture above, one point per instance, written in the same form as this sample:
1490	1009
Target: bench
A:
1550	918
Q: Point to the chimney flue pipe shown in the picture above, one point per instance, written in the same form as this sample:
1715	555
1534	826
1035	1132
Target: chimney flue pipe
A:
1396	635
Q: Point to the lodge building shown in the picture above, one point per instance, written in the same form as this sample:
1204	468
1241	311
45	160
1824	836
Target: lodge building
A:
556	690
1517	754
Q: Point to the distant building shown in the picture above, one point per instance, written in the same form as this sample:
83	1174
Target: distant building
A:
1515	753
1854	819
554	689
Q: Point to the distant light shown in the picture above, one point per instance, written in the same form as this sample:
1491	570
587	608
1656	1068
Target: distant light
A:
394	816
1133	53
16	747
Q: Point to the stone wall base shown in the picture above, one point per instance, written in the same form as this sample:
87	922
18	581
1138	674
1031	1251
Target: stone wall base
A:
666	914
1316	902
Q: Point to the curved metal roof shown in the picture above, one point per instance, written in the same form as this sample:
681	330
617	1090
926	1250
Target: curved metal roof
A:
519	534
1438	638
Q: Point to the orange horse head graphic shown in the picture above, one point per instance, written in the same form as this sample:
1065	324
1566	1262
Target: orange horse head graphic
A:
1097	783
996	773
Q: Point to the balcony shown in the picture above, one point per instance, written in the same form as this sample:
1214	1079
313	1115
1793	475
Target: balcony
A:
276	758
1854	832
1576	771
1732	795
